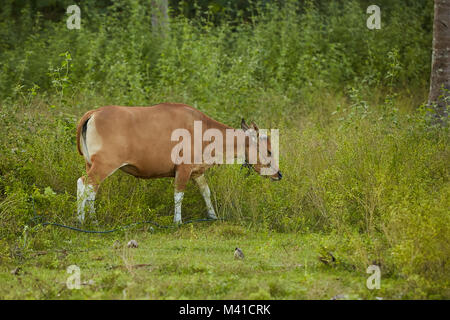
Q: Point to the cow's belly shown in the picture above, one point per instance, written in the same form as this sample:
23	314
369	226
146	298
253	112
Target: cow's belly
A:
145	175
149	169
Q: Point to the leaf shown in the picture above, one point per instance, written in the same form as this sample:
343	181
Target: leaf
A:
48	191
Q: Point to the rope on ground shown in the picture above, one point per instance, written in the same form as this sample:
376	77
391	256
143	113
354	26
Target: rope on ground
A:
40	220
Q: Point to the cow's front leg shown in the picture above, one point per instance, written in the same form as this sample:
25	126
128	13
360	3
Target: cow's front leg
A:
178	197
182	175
206	193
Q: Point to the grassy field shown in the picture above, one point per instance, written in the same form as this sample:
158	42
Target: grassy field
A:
193	262
369	192
365	167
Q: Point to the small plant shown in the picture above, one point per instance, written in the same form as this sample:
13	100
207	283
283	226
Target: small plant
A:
390	111
59	75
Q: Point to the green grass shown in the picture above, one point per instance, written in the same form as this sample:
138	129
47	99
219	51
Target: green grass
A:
365	171
192	262
369	185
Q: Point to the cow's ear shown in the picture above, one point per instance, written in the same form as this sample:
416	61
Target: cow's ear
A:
244	126
255	126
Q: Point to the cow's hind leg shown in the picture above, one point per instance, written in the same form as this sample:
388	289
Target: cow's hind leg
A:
85	195
87	188
182	176
206	193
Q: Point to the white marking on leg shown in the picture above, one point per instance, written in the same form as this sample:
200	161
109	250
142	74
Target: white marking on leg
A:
206	193
178	199
80	202
85	196
90	198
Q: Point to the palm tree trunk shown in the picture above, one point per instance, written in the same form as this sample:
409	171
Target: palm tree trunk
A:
160	16
440	67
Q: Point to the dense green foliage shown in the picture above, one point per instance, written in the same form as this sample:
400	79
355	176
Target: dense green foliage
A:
288	49
361	163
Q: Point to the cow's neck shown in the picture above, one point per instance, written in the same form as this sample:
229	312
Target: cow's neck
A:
227	143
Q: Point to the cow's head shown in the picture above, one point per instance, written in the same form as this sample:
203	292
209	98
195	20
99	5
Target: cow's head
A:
258	152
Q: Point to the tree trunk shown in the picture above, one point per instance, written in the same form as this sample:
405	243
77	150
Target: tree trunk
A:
440	67
160	16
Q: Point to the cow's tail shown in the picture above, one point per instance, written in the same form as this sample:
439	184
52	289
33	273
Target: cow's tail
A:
81	128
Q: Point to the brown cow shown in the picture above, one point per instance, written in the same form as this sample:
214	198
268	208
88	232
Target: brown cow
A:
139	141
